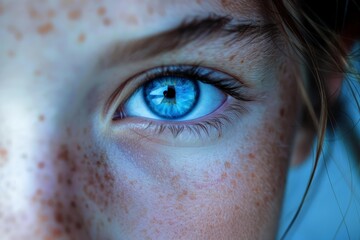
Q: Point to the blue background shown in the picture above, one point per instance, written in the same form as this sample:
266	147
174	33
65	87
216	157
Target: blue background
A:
332	208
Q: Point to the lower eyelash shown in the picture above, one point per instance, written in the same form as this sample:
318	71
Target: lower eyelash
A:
202	128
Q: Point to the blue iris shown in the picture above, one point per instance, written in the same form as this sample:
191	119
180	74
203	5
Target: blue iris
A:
171	97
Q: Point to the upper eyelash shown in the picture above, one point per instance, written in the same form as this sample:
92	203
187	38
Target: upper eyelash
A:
227	84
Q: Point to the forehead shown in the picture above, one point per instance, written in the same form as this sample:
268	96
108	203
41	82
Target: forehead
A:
130	12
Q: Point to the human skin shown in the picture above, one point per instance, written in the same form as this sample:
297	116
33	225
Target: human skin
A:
67	171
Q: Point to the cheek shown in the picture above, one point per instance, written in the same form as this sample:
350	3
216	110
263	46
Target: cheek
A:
237	195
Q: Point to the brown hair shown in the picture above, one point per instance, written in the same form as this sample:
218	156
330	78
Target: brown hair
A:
320	32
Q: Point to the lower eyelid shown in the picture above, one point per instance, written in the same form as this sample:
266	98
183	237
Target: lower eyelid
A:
204	129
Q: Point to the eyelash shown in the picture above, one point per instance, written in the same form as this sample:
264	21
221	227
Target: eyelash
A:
228	85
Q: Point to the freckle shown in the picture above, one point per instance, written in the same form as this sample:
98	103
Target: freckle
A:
182	195
107	22
63	153
57	233
233	183
41	165
74	15
33	13
78	225
73	204
101	11
192	196
50	202
69	182
39	192
81	38
282	138
132	20
45	28
60	178
256	190
224	175
237	207
150	10
44	218
257	204
68	131
16	33
78	147
3	153
246	167
252	175
282	112
11	54
67	230
41	118
175	179
37	73
51	13
161	11
251	156
59	217
242	61
232	57
238	175
225	3
18	36
3	156
131	182
227	165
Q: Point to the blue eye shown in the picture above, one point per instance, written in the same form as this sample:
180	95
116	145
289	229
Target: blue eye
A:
176	94
171	97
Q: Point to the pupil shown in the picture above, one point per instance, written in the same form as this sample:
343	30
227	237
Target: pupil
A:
170	93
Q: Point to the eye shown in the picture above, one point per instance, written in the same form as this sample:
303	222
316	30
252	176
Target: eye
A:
184	97
174	98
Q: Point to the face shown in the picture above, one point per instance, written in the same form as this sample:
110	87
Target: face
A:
138	119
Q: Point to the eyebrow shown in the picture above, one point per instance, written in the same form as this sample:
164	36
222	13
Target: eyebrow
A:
192	31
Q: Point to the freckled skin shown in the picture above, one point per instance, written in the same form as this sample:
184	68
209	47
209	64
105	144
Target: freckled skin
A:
66	173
